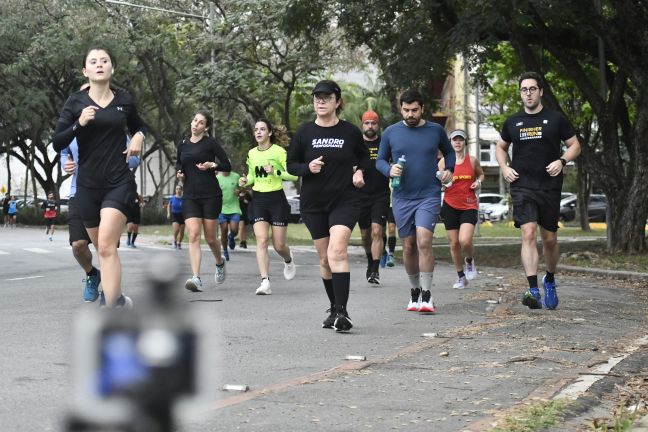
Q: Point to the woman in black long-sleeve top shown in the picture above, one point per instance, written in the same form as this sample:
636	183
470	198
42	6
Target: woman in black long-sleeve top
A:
330	156
97	117
199	157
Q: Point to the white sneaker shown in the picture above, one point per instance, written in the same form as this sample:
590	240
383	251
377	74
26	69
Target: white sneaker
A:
461	283
415	300
290	269
470	270
427	303
219	276
194	284
264	288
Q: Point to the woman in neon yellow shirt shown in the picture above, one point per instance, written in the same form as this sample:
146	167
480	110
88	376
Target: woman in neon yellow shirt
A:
266	173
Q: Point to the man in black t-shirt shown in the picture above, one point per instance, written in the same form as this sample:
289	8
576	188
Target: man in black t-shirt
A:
535	175
375	205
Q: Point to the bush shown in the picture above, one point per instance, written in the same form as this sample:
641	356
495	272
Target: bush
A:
153	216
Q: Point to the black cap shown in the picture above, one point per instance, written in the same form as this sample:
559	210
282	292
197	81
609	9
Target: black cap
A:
328	87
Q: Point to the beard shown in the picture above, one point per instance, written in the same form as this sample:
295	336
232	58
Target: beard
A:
370	133
412	121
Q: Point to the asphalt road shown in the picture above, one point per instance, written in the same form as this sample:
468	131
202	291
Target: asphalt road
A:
490	353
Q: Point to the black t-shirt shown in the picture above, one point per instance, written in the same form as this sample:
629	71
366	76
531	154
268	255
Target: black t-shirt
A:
343	148
536	142
376	184
197	183
49	205
102	162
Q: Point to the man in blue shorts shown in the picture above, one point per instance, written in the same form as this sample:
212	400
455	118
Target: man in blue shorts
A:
416	202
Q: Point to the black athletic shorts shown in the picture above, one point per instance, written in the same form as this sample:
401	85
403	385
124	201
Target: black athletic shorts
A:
177	218
75	225
541	206
271	207
374	211
203	208
50	221
453	218
319	224
91	201
390	216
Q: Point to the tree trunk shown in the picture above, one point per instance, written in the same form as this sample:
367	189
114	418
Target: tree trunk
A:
9	171
584	185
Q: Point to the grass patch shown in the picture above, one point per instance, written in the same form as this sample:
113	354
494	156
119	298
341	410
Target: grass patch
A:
534	418
590	253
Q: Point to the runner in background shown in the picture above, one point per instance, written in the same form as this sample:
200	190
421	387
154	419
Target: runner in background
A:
230	214
174	214
266	172
49	213
460	207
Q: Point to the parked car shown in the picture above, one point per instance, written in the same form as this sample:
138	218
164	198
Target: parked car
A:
596	209
295	214
493	207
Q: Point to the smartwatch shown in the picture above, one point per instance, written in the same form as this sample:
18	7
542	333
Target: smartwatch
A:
563	161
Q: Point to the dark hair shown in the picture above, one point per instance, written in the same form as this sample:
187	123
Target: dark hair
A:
530	75
273	138
102	48
411	96
208	117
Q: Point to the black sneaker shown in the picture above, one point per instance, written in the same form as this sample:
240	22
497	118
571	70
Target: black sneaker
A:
342	321
330	320
374	278
368	274
243	244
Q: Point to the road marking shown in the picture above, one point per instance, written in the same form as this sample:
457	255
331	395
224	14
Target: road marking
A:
4	253
38	250
582	384
23	278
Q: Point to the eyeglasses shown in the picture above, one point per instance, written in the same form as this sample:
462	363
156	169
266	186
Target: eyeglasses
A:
530	90
322	98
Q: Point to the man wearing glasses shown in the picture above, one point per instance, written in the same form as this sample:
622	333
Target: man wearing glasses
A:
375	201
536	177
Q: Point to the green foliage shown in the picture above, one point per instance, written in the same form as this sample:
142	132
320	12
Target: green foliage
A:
536	417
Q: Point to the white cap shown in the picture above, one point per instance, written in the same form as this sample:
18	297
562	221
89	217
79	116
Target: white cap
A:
457	132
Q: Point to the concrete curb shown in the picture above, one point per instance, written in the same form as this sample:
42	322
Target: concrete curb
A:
620	274
641	426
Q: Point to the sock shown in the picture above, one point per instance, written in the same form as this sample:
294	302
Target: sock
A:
461	274
468	260
375	264
426	280
550	277
92	272
328	286
384	241
369	259
341	284
533	281
392	244
415	280
134	237
130	234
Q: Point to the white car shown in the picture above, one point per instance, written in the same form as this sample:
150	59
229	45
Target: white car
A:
493	207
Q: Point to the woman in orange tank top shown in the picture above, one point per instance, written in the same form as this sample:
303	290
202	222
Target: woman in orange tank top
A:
460	208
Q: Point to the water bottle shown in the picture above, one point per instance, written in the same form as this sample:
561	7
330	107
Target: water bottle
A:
397	180
439	175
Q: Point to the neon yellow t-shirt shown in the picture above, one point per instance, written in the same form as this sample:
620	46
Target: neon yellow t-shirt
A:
260	180
229	186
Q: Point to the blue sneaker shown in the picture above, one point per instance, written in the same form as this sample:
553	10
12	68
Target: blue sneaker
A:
383	259
551	298
91	288
231	241
390	261
225	254
531	298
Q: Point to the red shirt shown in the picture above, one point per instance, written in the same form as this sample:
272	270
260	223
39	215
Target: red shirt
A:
459	196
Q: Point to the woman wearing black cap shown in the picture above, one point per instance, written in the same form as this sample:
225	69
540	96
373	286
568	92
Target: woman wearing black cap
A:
330	156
